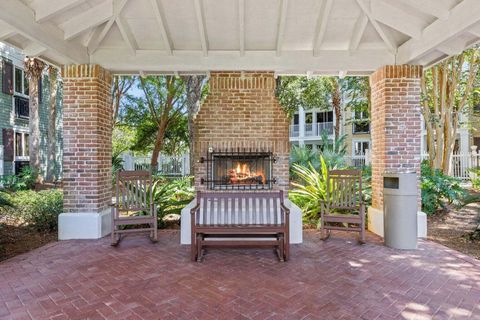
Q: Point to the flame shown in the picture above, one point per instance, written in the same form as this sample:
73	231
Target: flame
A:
243	170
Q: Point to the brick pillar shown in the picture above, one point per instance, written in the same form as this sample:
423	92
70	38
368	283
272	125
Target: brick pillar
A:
87	132
395	124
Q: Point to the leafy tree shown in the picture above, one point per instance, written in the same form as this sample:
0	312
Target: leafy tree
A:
446	94
120	87
159	106
356	92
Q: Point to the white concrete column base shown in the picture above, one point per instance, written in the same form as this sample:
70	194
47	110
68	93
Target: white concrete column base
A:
296	231
375	222
84	225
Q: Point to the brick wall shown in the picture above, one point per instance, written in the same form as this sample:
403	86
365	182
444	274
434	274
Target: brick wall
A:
395	124
87	130
241	111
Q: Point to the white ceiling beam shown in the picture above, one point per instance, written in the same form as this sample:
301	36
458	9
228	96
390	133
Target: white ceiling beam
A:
386	37
462	17
202	30
327	61
159	16
281	26
99	34
241	26
88	19
475	30
396	18
33	49
432	7
321	26
6	32
127	34
47	9
358	31
21	19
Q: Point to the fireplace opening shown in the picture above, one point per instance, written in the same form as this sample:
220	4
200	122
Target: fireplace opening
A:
239	170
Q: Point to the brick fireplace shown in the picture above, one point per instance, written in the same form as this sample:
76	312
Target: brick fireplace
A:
241	141
242	117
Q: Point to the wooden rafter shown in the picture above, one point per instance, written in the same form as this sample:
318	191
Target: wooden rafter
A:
202	30
462	17
386	37
47	9
321	26
358	31
396	18
158	12
88	19
281	26
241	26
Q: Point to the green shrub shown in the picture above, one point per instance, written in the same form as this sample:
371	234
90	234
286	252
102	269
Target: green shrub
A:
310	191
475	178
24	181
439	189
367	185
171	195
40	209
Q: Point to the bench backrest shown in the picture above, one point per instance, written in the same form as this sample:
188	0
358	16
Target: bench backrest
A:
133	190
345	191
243	208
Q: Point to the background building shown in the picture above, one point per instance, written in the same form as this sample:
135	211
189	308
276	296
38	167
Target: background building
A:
14	115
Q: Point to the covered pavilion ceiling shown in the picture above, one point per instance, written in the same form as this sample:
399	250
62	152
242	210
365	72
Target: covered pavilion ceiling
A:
287	36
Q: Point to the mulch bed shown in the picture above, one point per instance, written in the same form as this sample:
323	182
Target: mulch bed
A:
453	229
15	240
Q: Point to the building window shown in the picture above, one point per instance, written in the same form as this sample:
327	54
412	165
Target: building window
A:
326	116
359	147
21	146
361	122
296	119
21	82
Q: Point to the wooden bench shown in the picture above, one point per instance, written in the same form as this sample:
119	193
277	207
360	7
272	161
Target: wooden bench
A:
240	219
133	196
344	194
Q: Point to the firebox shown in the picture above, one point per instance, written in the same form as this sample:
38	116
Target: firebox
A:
239	170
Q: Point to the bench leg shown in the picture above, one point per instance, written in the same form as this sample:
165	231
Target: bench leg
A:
199	247
281	247
193	248
154	237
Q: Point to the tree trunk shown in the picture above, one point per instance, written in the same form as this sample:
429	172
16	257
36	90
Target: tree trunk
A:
193	88
33	69
52	117
337	107
162	126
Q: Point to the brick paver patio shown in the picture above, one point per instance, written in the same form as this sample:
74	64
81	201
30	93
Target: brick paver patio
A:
332	280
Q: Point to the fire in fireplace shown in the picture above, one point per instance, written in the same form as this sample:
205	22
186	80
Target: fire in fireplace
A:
239	170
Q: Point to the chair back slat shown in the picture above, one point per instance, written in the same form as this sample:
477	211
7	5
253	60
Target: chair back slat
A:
132	189
345	189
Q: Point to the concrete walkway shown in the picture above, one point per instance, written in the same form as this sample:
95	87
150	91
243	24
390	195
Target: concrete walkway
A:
337	279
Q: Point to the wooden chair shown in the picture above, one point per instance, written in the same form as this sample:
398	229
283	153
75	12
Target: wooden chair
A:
134	205
344	193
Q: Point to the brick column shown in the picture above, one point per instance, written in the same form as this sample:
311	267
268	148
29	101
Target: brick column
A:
87	132
395	124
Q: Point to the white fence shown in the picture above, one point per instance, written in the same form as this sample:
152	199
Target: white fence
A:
167	165
462	163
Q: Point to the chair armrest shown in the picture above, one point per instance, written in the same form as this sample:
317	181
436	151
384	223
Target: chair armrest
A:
195	209
284	208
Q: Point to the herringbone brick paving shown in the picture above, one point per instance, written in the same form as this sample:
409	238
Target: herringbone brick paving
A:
337	279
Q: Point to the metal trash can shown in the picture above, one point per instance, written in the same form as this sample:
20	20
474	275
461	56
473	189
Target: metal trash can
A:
400	210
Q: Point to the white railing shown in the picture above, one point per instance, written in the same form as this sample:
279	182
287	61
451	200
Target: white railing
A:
356	161
324	126
294	130
167	165
312	130
461	164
